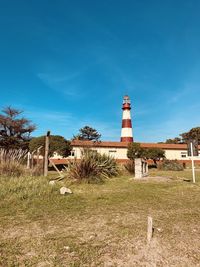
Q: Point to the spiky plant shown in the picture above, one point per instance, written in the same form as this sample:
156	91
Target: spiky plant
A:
92	167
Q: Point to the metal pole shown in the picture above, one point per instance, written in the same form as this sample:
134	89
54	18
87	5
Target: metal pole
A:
192	158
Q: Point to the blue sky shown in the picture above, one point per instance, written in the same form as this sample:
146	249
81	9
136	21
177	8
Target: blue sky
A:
68	64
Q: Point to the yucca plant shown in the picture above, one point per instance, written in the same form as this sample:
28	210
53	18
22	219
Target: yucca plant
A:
92	167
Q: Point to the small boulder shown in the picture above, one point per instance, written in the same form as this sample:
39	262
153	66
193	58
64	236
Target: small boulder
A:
67	248
64	190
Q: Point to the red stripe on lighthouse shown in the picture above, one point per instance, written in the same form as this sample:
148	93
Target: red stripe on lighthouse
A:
126	123
126	139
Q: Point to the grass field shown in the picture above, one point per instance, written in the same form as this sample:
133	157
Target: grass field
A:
100	225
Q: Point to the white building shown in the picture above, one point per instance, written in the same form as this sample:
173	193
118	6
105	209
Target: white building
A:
118	150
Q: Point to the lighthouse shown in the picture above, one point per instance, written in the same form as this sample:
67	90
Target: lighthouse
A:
126	132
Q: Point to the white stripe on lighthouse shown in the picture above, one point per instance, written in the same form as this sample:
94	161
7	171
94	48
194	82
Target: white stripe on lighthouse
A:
126	114
126	132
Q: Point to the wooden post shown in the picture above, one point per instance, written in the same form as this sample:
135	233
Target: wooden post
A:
192	159
38	155
28	160
46	153
149	229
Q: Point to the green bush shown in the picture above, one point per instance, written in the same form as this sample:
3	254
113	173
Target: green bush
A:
130	166
92	167
170	165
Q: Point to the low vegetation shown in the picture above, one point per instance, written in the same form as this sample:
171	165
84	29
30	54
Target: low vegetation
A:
170	165
100	224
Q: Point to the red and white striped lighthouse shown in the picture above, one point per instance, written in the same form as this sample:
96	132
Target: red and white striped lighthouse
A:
127	132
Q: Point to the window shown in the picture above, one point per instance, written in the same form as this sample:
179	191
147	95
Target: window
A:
183	154
72	154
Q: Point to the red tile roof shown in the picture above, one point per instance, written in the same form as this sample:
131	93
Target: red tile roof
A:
79	143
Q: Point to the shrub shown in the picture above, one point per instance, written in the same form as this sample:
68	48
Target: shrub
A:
11	162
92	167
130	166
170	165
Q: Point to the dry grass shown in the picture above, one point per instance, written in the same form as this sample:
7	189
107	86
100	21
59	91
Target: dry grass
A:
12	162
100	225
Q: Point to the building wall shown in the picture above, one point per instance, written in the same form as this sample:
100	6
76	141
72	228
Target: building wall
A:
121	153
117	153
178	154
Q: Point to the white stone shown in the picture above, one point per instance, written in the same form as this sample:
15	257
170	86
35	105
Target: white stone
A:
52	182
65	190
67	248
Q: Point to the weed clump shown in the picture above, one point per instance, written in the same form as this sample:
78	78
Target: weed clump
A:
170	165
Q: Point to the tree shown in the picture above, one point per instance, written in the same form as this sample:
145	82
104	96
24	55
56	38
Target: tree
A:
57	144
194	133
155	154
14	130
88	133
135	151
175	140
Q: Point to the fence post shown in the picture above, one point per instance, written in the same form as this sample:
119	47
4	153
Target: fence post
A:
28	160
149	229
46	153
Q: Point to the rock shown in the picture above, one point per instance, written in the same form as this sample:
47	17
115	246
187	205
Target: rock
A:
64	190
91	237
67	248
52	182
